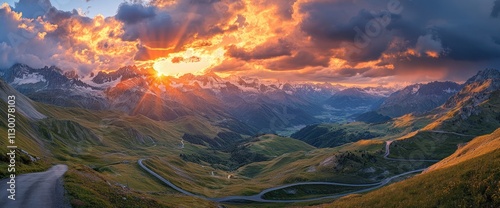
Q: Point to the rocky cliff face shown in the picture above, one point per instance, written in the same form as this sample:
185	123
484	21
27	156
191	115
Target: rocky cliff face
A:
476	91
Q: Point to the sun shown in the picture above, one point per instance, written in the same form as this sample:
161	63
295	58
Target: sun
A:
159	74
171	67
189	61
159	68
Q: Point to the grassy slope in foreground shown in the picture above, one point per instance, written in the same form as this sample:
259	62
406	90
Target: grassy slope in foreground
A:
468	178
86	188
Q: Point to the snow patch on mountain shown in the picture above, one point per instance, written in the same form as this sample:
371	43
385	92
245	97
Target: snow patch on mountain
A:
29	79
176	85
104	85
450	91
415	89
378	91
86	90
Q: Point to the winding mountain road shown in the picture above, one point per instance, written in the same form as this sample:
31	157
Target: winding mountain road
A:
454	133
41	190
259	197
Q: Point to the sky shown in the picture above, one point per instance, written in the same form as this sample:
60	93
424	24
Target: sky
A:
364	42
88	7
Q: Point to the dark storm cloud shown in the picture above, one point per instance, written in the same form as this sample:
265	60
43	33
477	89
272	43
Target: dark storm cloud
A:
336	21
350	72
465	31
454	30
132	13
329	25
468	46
32	8
158	32
298	61
364	24
64	21
496	9
270	49
326	24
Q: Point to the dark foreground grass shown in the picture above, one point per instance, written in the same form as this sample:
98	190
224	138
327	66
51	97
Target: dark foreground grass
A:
428	145
309	191
86	188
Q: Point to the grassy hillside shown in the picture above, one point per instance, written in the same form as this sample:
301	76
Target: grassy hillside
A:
273	145
477	147
353	163
468	178
428	145
372	117
203	158
443	136
87	188
332	135
28	146
103	147
470	117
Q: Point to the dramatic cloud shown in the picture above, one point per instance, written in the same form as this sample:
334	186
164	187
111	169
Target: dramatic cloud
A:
405	36
65	39
496	9
351	41
170	29
267	50
133	13
429	45
299	60
32	8
23	39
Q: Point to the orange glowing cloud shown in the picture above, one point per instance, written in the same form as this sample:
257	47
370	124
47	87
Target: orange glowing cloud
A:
67	40
294	39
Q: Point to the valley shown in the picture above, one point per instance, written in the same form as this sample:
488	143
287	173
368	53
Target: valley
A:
268	193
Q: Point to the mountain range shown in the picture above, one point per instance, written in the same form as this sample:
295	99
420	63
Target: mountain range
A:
418	98
259	105
209	136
